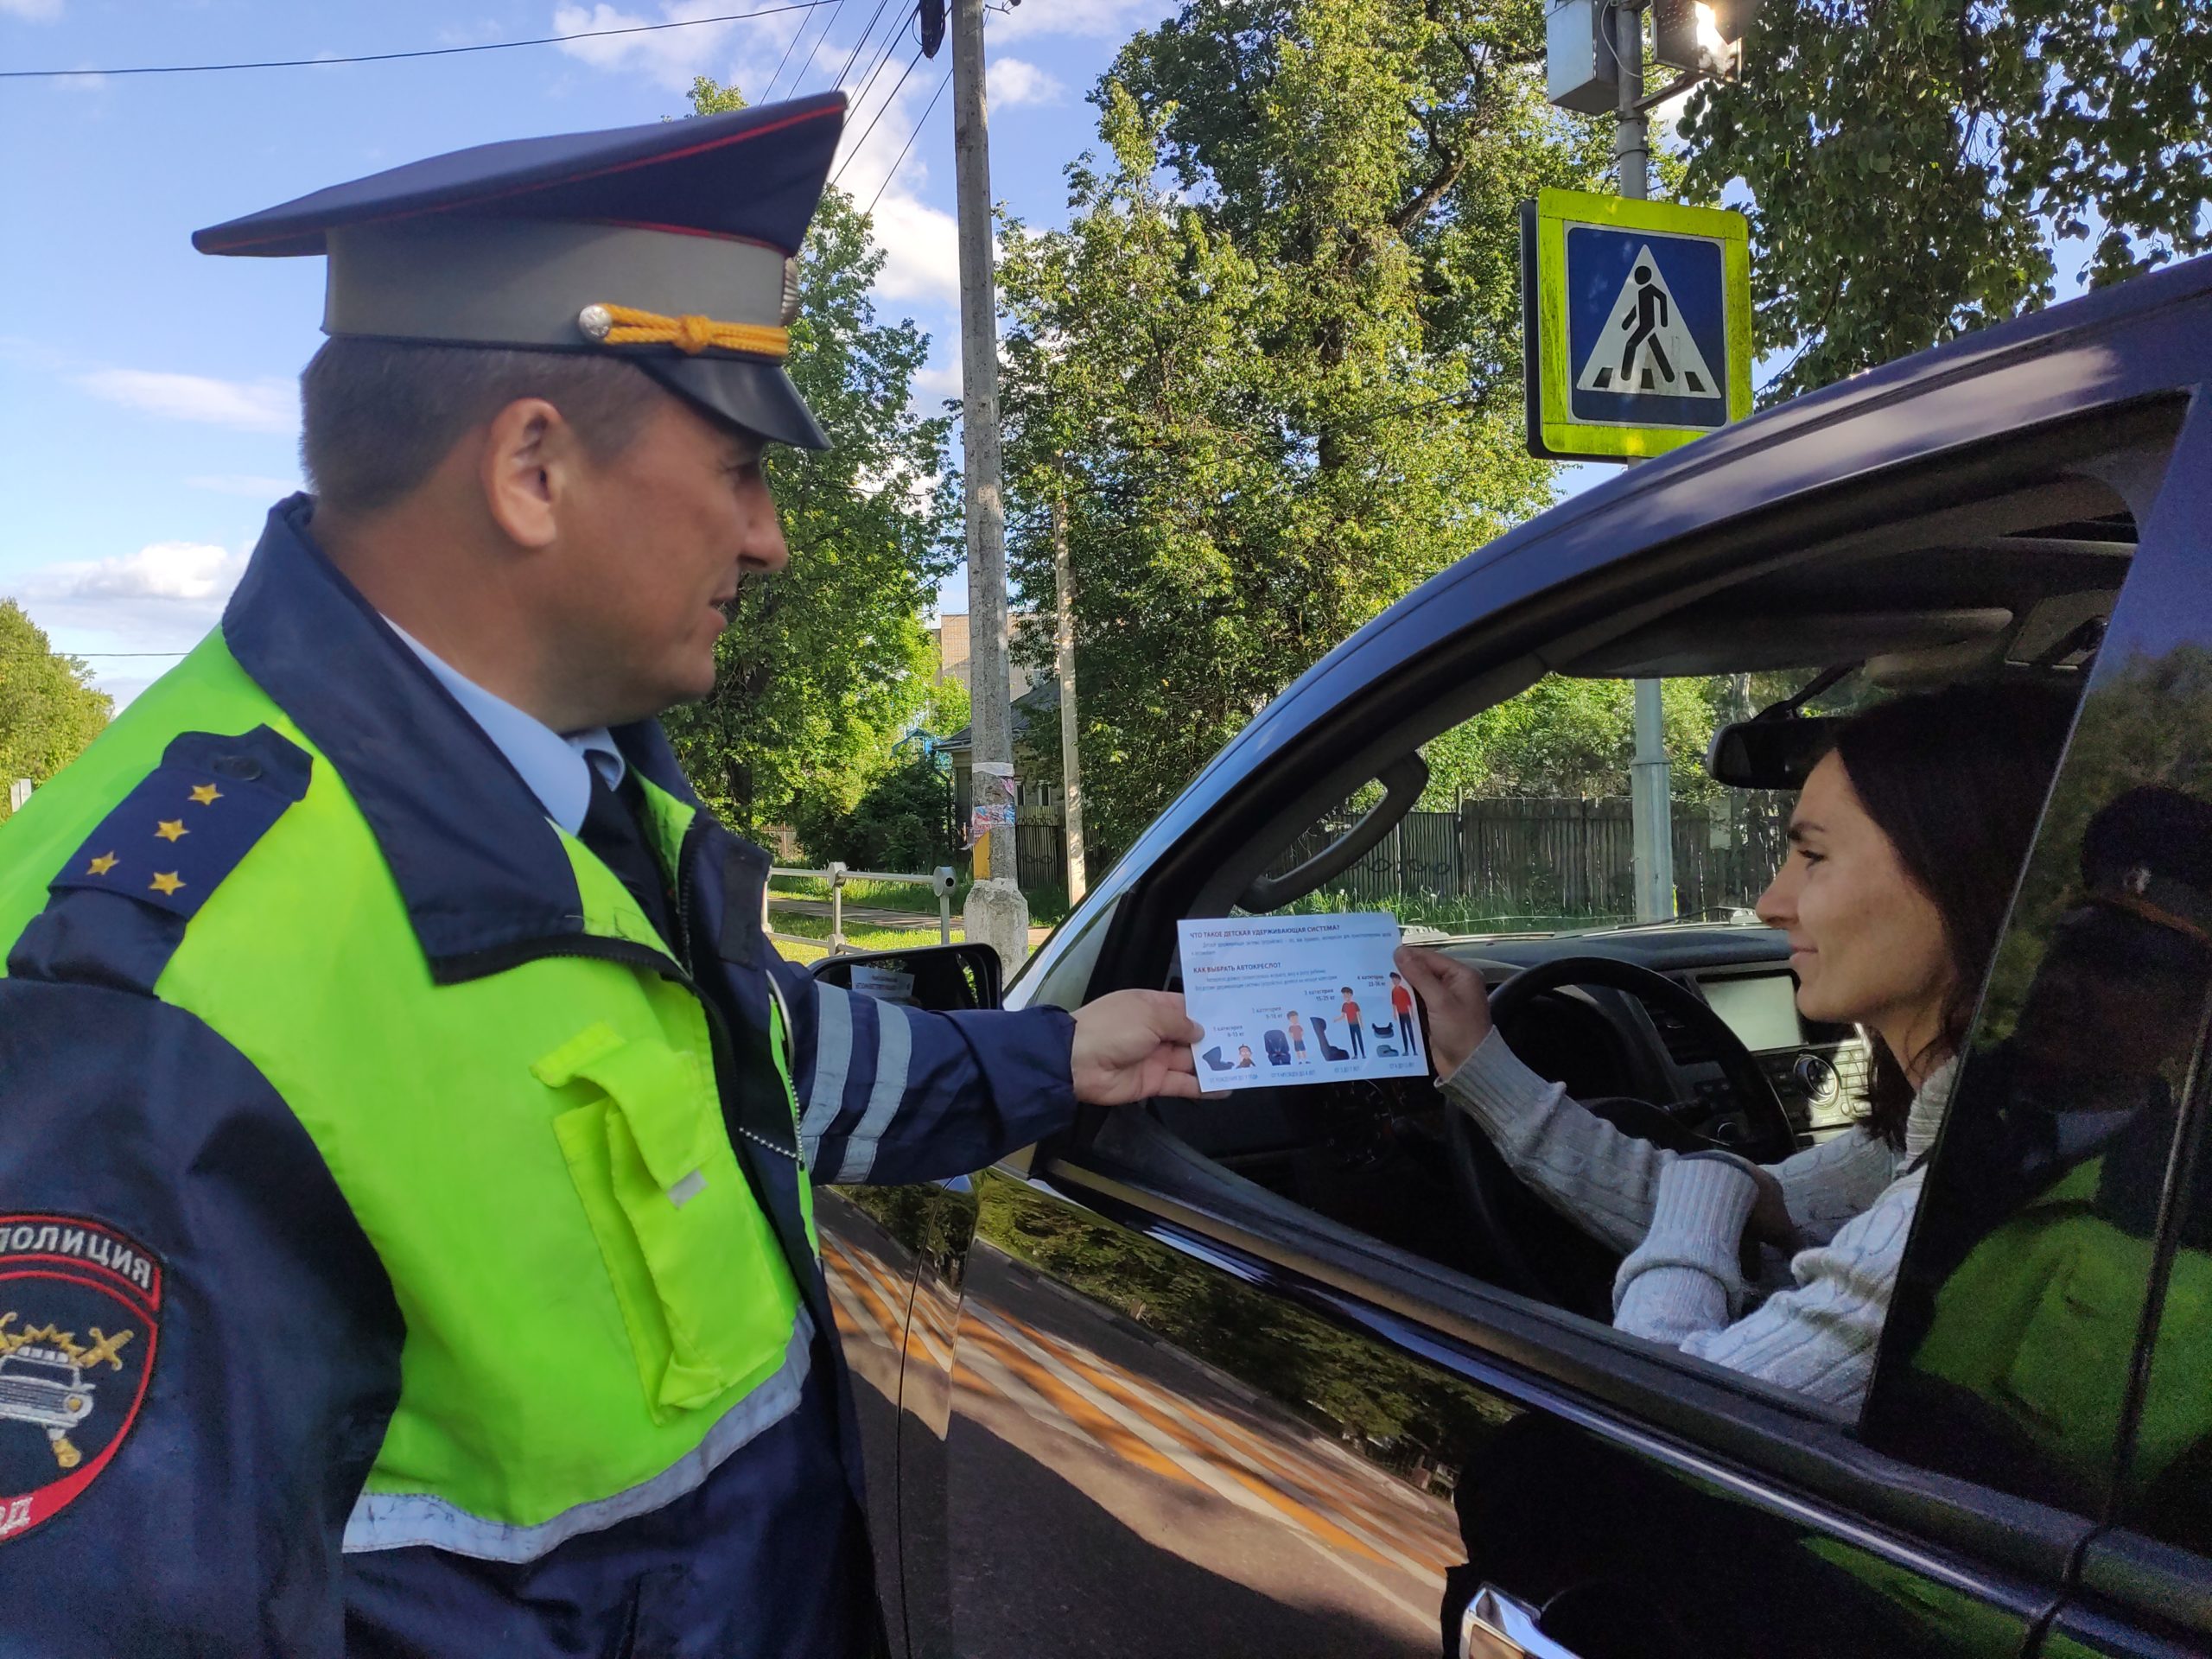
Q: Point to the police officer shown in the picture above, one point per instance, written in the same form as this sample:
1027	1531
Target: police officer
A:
406	1133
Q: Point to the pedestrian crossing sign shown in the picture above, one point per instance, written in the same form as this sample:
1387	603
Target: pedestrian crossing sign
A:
1638	324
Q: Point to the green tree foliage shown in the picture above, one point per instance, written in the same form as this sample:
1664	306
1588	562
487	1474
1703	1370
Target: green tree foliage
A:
1568	737
902	822
48	710
1272	367
1912	165
825	667
946	710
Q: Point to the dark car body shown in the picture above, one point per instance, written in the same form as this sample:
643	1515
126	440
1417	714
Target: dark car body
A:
1199	1381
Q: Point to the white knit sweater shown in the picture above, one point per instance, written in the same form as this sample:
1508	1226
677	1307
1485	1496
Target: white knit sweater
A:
1681	1220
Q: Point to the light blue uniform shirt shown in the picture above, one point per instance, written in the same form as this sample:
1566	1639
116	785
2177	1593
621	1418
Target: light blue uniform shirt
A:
556	766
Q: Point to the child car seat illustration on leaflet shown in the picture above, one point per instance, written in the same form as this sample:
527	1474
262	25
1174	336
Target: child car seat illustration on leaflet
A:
1329	1049
1278	1046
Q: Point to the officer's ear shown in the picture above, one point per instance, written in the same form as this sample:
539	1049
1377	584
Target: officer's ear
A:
526	469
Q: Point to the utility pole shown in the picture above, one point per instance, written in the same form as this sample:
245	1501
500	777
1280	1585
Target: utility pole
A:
1063	652
996	912
1651	807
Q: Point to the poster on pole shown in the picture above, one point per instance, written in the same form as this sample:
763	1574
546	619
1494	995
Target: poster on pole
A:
1299	999
994	793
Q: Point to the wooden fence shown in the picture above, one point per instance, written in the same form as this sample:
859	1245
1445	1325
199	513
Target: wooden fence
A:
1557	858
1507	859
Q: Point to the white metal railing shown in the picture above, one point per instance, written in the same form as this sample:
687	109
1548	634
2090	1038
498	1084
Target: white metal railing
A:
941	881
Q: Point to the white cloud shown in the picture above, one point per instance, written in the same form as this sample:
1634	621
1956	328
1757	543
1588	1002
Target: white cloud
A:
1094	19
933	384
162	597
674	56
253	485
31	11
270	405
920	243
1012	81
921	247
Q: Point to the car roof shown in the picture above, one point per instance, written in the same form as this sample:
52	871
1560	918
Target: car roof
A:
2135	340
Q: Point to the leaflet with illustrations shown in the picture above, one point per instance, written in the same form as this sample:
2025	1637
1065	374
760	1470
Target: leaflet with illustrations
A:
1299	999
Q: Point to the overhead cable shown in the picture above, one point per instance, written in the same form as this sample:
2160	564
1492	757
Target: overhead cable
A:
867	83
889	99
423	52
943	81
807	69
852	56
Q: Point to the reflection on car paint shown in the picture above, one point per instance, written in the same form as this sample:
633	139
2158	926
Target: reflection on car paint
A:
1269	1482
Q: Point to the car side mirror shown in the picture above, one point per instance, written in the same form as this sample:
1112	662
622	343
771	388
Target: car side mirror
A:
944	977
1769	753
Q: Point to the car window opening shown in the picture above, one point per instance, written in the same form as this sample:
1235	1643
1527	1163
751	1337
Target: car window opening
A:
1513	851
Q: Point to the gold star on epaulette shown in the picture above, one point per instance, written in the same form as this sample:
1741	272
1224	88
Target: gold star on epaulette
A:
101	865
166	883
206	794
171	829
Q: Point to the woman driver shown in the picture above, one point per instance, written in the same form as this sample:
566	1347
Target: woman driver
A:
1905	847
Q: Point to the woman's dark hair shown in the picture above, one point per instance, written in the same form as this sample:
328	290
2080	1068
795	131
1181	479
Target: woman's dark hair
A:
1955	780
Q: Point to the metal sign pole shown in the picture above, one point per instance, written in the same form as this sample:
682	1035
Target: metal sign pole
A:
1650	782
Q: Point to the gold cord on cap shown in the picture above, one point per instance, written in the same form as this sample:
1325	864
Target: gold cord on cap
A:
625	325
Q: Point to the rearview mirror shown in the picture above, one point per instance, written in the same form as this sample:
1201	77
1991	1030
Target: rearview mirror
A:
1769	753
944	978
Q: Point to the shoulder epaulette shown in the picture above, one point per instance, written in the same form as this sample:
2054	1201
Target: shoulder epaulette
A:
120	905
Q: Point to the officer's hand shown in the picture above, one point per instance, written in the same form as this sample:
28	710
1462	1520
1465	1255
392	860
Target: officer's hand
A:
1132	1046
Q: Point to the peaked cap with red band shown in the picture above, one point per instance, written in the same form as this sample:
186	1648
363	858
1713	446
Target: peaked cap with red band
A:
672	244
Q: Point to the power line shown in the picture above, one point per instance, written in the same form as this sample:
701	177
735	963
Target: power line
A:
854	54
123	653
944	81
786	58
424	52
797	35
888	101
867	83
807	69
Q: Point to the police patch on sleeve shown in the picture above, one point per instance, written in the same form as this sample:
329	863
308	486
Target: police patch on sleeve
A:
80	1303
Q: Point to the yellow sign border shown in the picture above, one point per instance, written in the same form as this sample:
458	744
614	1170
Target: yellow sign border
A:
1559	433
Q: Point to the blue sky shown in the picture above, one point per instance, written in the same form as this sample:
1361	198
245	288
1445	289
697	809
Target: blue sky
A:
146	411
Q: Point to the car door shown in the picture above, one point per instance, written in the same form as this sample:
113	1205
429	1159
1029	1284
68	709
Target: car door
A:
869	1237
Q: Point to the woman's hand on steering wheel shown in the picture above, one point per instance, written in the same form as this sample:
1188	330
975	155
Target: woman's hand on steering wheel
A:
1456	1005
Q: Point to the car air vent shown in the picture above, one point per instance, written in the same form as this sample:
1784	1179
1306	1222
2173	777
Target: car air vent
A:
1684	1045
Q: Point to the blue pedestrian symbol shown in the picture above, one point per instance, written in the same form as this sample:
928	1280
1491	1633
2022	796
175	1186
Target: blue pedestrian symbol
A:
1647	327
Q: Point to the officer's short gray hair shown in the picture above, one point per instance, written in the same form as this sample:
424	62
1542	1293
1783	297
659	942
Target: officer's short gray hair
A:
378	416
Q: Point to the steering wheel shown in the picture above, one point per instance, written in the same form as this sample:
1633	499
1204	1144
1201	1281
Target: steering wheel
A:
1530	1246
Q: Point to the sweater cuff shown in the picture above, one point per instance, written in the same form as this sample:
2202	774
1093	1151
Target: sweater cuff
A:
1493	1080
1699	1213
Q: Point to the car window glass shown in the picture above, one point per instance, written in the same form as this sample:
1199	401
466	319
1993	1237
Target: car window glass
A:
2010	1354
